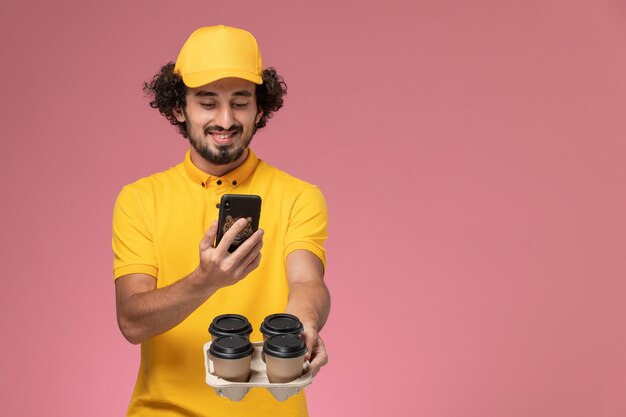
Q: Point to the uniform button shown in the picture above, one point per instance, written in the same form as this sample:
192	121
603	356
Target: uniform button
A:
219	182
234	182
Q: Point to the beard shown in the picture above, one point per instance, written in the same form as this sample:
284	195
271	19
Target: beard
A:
223	155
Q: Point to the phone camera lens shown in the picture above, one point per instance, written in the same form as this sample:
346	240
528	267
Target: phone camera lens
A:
227	204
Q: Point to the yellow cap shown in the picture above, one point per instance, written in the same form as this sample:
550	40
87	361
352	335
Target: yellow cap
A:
216	52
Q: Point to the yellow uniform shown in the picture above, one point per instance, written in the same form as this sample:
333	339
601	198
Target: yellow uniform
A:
158	223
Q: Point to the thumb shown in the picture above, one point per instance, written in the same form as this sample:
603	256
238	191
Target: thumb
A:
209	237
309	341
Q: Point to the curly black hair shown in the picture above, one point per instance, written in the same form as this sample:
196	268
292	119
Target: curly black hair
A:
167	92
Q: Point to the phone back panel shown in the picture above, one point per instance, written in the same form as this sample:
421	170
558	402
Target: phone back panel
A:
234	207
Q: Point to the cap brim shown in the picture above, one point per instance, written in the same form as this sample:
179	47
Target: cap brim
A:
198	79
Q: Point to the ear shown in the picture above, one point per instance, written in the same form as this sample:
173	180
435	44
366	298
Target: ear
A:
259	114
179	115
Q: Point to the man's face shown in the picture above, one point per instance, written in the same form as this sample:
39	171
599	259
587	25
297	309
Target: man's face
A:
221	119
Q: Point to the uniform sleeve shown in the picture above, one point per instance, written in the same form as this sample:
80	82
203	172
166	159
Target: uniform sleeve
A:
308	224
133	237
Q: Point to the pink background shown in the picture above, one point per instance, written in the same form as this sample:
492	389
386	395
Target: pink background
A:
471	152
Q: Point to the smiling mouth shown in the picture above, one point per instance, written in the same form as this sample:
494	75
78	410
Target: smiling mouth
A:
223	138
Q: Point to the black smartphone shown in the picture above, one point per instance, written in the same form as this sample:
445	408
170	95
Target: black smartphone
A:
234	207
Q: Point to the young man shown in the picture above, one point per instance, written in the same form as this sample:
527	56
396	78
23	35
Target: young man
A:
170	279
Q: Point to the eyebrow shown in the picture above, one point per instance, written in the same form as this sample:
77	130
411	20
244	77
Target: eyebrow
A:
242	93
205	94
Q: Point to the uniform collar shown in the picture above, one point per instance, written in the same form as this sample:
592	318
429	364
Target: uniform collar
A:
234	177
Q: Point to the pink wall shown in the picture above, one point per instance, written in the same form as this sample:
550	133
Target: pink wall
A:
472	154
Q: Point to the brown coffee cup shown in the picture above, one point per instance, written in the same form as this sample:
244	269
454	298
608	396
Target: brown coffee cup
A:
231	356
284	357
230	325
281	323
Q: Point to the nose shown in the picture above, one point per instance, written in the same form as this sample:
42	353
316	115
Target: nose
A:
225	118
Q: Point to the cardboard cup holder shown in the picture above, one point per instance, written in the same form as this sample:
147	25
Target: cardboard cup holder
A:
235	391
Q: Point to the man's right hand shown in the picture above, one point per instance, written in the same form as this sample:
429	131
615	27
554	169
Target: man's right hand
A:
143	311
219	268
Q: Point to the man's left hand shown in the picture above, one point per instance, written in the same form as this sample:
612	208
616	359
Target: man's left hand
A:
316	353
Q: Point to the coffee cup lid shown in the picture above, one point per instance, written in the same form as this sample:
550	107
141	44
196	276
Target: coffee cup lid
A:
231	347
284	346
280	324
230	324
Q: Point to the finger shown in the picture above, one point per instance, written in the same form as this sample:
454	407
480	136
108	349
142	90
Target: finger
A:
253	241
251	263
252	266
208	240
317	362
230	235
249	249
310	342
319	358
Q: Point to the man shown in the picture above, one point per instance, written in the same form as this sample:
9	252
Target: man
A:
170	279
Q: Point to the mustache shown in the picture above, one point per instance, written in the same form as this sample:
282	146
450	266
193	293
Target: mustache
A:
237	127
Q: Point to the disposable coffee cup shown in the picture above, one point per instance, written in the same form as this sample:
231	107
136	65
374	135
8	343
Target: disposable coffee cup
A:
282	323
231	356
230	325
284	357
